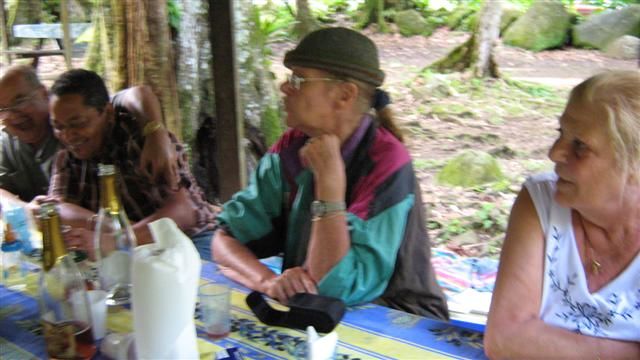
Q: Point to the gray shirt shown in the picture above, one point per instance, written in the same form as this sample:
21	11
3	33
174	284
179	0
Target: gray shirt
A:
24	170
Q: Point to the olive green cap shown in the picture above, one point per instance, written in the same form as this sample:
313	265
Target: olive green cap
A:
338	50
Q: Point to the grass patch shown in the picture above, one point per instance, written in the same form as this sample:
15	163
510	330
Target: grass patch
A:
496	100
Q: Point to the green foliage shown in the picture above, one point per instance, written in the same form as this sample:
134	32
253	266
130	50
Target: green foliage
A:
425	164
490	218
274	24
271	125
463	98
447	231
174	14
437	18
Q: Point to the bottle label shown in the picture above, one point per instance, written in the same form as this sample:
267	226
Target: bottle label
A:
20	224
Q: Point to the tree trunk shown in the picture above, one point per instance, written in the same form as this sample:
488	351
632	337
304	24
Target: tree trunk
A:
373	15
488	32
142	52
306	23
259	96
160	71
476	54
4	36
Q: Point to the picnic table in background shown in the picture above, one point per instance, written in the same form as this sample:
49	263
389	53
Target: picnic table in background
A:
44	32
366	332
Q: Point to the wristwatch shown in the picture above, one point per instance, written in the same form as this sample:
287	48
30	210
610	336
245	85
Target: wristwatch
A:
321	208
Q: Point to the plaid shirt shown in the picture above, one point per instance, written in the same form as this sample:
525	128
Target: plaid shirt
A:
76	181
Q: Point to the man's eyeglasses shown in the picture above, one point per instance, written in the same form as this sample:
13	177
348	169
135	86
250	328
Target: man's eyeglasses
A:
296	81
17	105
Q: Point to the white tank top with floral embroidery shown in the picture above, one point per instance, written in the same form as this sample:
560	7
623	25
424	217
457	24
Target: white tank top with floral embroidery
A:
613	311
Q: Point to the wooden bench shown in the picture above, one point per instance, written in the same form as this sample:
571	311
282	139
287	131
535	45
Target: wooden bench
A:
43	32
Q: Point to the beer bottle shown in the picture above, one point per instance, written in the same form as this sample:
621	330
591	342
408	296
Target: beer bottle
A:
64	304
114	240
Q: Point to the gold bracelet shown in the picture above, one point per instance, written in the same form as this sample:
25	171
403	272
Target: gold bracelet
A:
151	127
329	215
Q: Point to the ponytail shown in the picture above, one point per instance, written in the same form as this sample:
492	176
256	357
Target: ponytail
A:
378	99
381	101
386	118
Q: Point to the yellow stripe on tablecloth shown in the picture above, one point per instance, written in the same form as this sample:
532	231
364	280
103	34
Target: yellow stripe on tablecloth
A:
120	320
364	342
369	342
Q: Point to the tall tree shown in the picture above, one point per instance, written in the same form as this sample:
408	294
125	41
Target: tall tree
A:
305	22
476	54
137	42
259	96
373	14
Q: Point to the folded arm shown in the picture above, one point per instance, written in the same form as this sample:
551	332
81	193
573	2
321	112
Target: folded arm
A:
514	328
158	153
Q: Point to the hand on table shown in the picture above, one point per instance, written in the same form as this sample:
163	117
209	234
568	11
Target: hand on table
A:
290	282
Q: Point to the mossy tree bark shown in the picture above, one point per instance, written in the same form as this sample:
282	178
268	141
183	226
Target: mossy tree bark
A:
4	36
305	22
373	14
139	52
476	54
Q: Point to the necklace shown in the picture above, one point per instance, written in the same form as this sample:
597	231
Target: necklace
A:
595	264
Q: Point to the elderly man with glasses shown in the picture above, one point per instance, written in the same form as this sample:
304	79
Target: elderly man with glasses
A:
28	143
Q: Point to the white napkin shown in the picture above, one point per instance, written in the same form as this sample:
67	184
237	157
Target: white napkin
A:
320	348
165	285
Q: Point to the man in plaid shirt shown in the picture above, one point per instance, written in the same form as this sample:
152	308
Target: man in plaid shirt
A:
95	130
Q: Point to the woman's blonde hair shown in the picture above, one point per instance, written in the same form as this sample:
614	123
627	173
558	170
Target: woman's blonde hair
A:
618	93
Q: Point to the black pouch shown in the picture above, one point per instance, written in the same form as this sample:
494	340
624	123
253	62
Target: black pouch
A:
322	312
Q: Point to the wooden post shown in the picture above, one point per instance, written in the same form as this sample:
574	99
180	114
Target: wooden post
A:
66	33
4	42
230	157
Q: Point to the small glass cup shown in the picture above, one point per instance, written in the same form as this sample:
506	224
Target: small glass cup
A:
98	307
215	307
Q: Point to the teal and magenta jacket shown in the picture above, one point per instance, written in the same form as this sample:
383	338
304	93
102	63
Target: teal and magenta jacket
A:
389	256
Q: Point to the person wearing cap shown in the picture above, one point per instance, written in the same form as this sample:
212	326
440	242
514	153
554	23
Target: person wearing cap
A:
337	194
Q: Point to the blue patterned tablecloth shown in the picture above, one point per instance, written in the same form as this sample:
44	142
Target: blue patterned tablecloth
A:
366	332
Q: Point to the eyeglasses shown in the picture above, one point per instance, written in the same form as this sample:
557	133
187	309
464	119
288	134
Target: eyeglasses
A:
18	105
296	81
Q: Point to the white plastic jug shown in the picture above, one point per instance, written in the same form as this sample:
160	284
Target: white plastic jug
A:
165	281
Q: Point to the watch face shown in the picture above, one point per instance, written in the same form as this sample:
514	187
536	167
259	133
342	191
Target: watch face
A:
317	208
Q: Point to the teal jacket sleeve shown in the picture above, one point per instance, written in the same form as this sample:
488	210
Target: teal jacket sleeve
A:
363	273
249	213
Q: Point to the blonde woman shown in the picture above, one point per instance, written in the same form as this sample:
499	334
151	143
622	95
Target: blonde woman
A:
569	278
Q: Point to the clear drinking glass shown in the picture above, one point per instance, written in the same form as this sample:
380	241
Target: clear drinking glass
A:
215	307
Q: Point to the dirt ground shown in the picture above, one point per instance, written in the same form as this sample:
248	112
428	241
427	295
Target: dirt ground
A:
526	137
